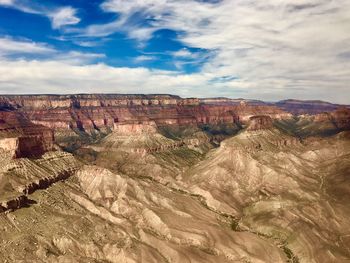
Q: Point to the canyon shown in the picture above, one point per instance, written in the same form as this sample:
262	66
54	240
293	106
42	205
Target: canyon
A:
160	178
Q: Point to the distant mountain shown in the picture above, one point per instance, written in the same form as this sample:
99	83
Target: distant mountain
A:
298	107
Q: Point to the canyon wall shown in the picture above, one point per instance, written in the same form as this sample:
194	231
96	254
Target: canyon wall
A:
260	122
98	112
29	123
22	138
339	117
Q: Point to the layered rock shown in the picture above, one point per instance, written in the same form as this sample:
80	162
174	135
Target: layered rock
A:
41	102
132	128
20	177
101	112
341	117
298	107
23	138
13	203
260	123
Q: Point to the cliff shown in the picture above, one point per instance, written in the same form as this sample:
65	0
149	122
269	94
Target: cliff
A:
95	112
22	138
21	177
69	116
338	119
341	117
260	123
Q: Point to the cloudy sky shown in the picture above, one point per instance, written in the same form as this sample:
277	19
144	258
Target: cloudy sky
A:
262	49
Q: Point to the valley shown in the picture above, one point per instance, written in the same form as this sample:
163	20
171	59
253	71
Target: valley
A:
160	178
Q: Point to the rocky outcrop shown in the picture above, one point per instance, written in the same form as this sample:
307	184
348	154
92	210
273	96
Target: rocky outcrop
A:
21	177
341	118
43	183
334	121
14	203
260	122
191	142
128	128
23	138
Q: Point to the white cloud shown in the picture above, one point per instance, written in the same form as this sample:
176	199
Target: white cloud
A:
6	2
26	48
77	58
274	48
144	58
9	46
184	53
64	16
63	77
59	16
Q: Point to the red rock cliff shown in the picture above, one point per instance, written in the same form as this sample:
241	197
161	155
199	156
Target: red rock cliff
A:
22	138
98	112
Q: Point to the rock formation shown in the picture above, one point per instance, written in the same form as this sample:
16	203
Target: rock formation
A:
96	112
21	137
159	178
298	107
260	123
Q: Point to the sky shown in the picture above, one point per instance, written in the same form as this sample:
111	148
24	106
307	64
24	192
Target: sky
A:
258	49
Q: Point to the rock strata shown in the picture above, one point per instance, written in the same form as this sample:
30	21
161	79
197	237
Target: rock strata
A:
23	138
131	112
260	122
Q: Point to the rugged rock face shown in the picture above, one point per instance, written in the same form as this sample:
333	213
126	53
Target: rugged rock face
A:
96	112
13	203
341	117
20	177
260	123
132	128
23	138
40	102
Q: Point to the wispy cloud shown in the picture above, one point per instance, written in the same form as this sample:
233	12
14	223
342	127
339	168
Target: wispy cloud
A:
274	47
63	16
59	16
26	49
184	53
144	58
10	46
6	2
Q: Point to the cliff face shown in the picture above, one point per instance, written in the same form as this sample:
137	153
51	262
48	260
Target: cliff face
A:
40	102
22	138
95	112
260	123
21	177
31	120
340	118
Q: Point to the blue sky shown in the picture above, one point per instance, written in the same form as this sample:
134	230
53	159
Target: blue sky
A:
270	50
